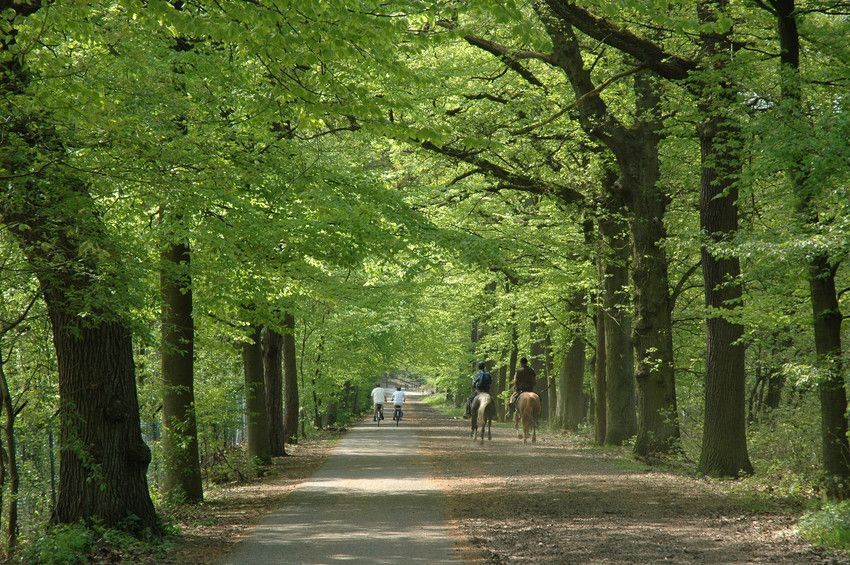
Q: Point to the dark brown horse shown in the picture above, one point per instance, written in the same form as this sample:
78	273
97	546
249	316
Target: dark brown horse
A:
528	412
483	410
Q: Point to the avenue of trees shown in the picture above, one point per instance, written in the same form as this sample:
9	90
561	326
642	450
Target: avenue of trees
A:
222	222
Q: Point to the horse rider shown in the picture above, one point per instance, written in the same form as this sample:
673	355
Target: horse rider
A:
480	383
524	381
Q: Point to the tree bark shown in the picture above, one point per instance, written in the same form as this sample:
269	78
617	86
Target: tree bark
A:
290	377
826	311
621	422
259	446
273	374
600	403
54	219
636	151
658	424
724	447
571	374
11	465
181	461
538	363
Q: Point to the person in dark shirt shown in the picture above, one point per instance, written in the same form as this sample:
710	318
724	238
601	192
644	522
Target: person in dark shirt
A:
524	381
480	383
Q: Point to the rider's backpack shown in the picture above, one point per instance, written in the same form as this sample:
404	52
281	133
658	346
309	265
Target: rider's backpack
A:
484	381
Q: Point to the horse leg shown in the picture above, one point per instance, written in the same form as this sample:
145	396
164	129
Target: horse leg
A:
489	431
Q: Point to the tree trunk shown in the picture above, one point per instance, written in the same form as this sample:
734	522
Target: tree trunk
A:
181	461
551	379
272	370
658	426
54	219
826	311
10	467
600	403
259	446
570	391
621	423
290	377
724	447
538	363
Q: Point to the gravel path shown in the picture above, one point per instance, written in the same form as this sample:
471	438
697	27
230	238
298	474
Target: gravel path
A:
560	501
371	502
424	493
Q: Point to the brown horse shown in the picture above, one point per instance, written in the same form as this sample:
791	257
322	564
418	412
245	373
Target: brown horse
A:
528	412
484	410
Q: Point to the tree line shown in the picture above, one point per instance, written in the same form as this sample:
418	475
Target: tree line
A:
219	214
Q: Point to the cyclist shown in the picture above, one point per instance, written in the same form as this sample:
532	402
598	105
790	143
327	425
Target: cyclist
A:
378	399
398	400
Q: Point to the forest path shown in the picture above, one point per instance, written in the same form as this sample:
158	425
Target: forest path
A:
424	493
370	502
563	501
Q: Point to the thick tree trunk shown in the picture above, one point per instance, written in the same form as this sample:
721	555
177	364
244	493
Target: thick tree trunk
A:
570	391
826	311
272	370
658	427
724	447
181	461
103	459
621	422
259	446
51	214
636	151
290	377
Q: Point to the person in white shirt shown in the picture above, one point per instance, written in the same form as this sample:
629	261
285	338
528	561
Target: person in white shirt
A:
378	399
398	400
398	397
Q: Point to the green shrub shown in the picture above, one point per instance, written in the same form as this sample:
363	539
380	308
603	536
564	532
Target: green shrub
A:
829	527
61	545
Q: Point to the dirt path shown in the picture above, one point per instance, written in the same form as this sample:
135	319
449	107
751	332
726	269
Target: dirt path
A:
557	501
424	493
370	502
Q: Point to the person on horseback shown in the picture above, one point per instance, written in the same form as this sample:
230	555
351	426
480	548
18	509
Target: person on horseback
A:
524	381
480	383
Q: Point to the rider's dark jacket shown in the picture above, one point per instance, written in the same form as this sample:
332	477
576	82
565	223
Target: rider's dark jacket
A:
525	379
477	383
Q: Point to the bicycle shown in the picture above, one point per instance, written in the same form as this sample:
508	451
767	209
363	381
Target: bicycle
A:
379	414
397	415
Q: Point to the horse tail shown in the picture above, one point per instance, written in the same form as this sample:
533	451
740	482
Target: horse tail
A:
482	408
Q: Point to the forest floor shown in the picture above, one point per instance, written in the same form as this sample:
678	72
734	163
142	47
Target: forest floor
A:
229	512
563	500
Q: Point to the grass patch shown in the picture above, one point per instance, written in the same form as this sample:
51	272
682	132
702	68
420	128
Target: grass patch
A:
441	405
829	527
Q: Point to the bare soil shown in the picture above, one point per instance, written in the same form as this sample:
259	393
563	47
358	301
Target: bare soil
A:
562	500
212	529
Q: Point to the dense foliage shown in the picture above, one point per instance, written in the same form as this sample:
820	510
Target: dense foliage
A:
422	185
